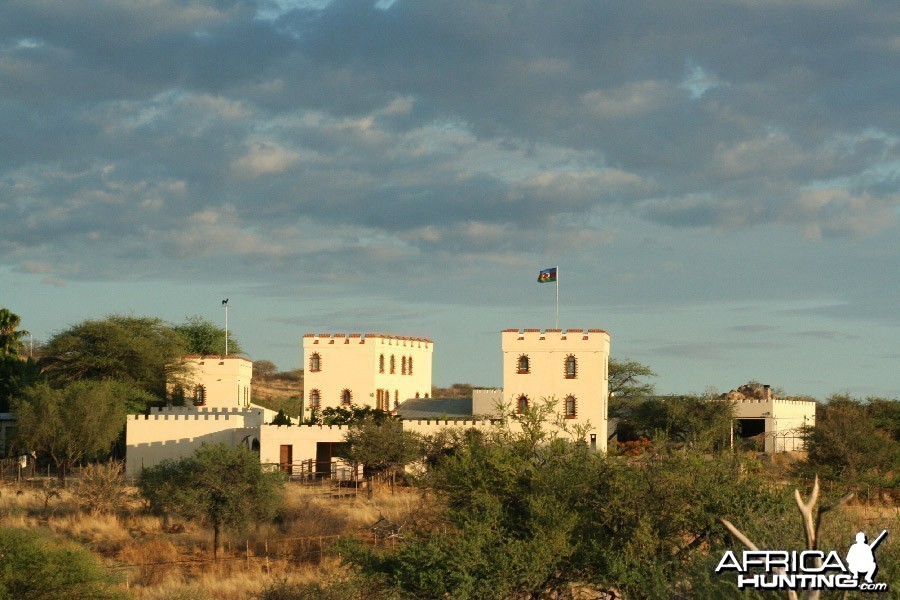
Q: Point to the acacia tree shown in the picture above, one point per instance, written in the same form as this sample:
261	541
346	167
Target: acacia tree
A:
204	337
142	351
626	379
224	487
83	418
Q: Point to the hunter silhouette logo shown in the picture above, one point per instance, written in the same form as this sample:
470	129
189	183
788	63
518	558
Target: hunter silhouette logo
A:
807	569
861	556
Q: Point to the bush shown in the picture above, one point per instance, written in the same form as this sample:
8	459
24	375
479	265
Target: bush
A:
101	487
34	566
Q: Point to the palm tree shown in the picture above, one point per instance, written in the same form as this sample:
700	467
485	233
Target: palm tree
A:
10	338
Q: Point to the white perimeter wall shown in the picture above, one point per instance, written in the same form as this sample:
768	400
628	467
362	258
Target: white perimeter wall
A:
177	432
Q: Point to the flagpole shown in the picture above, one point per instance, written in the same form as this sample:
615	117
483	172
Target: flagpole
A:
557	297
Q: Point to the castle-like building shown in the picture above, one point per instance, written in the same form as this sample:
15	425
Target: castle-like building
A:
568	368
565	370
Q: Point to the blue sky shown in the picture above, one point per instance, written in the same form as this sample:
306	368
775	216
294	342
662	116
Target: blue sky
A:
718	181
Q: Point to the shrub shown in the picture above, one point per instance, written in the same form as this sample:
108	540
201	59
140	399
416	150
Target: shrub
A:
34	566
101	487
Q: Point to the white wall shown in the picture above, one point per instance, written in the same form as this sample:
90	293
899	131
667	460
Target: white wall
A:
177	432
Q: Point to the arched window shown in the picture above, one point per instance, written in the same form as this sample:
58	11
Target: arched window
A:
571	367
393	364
522	403
381	364
315	362
314	399
570	407
403	366
346	397
524	365
409	365
199	396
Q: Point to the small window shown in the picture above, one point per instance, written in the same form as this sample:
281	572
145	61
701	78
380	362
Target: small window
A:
315	362
409	366
571	367
570	407
314	399
381	364
524	365
403	366
522	404
199	396
393	364
346	397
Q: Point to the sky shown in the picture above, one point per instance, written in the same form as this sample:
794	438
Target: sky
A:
717	180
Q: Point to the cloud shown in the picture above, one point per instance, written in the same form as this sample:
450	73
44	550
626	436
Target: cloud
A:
433	133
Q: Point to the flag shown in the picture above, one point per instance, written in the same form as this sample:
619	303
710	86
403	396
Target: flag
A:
547	275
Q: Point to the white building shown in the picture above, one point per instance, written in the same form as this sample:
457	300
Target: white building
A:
378	371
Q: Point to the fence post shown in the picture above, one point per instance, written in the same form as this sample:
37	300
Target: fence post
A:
248	554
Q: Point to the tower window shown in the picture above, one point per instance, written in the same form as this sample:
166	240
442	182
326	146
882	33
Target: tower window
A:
409	365
346	397
393	364
381	364
570	407
315	362
403	365
571	367
315	399
524	365
522	404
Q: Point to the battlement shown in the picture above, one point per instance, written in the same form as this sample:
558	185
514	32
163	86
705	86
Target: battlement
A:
516	337
214	357
362	338
191	416
782	401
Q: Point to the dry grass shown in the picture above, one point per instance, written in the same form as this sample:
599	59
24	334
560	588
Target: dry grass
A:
156	564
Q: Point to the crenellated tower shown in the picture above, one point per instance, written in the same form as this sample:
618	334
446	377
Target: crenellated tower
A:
571	366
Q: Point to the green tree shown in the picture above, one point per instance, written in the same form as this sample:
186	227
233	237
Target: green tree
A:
82	419
142	351
383	448
224	487
847	441
626	379
205	337
34	566
281	419
700	423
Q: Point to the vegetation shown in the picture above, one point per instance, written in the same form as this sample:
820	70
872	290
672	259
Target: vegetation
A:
224	487
81	419
856	441
204	337
16	373
527	517
35	566
626	379
381	447
141	351
703	424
